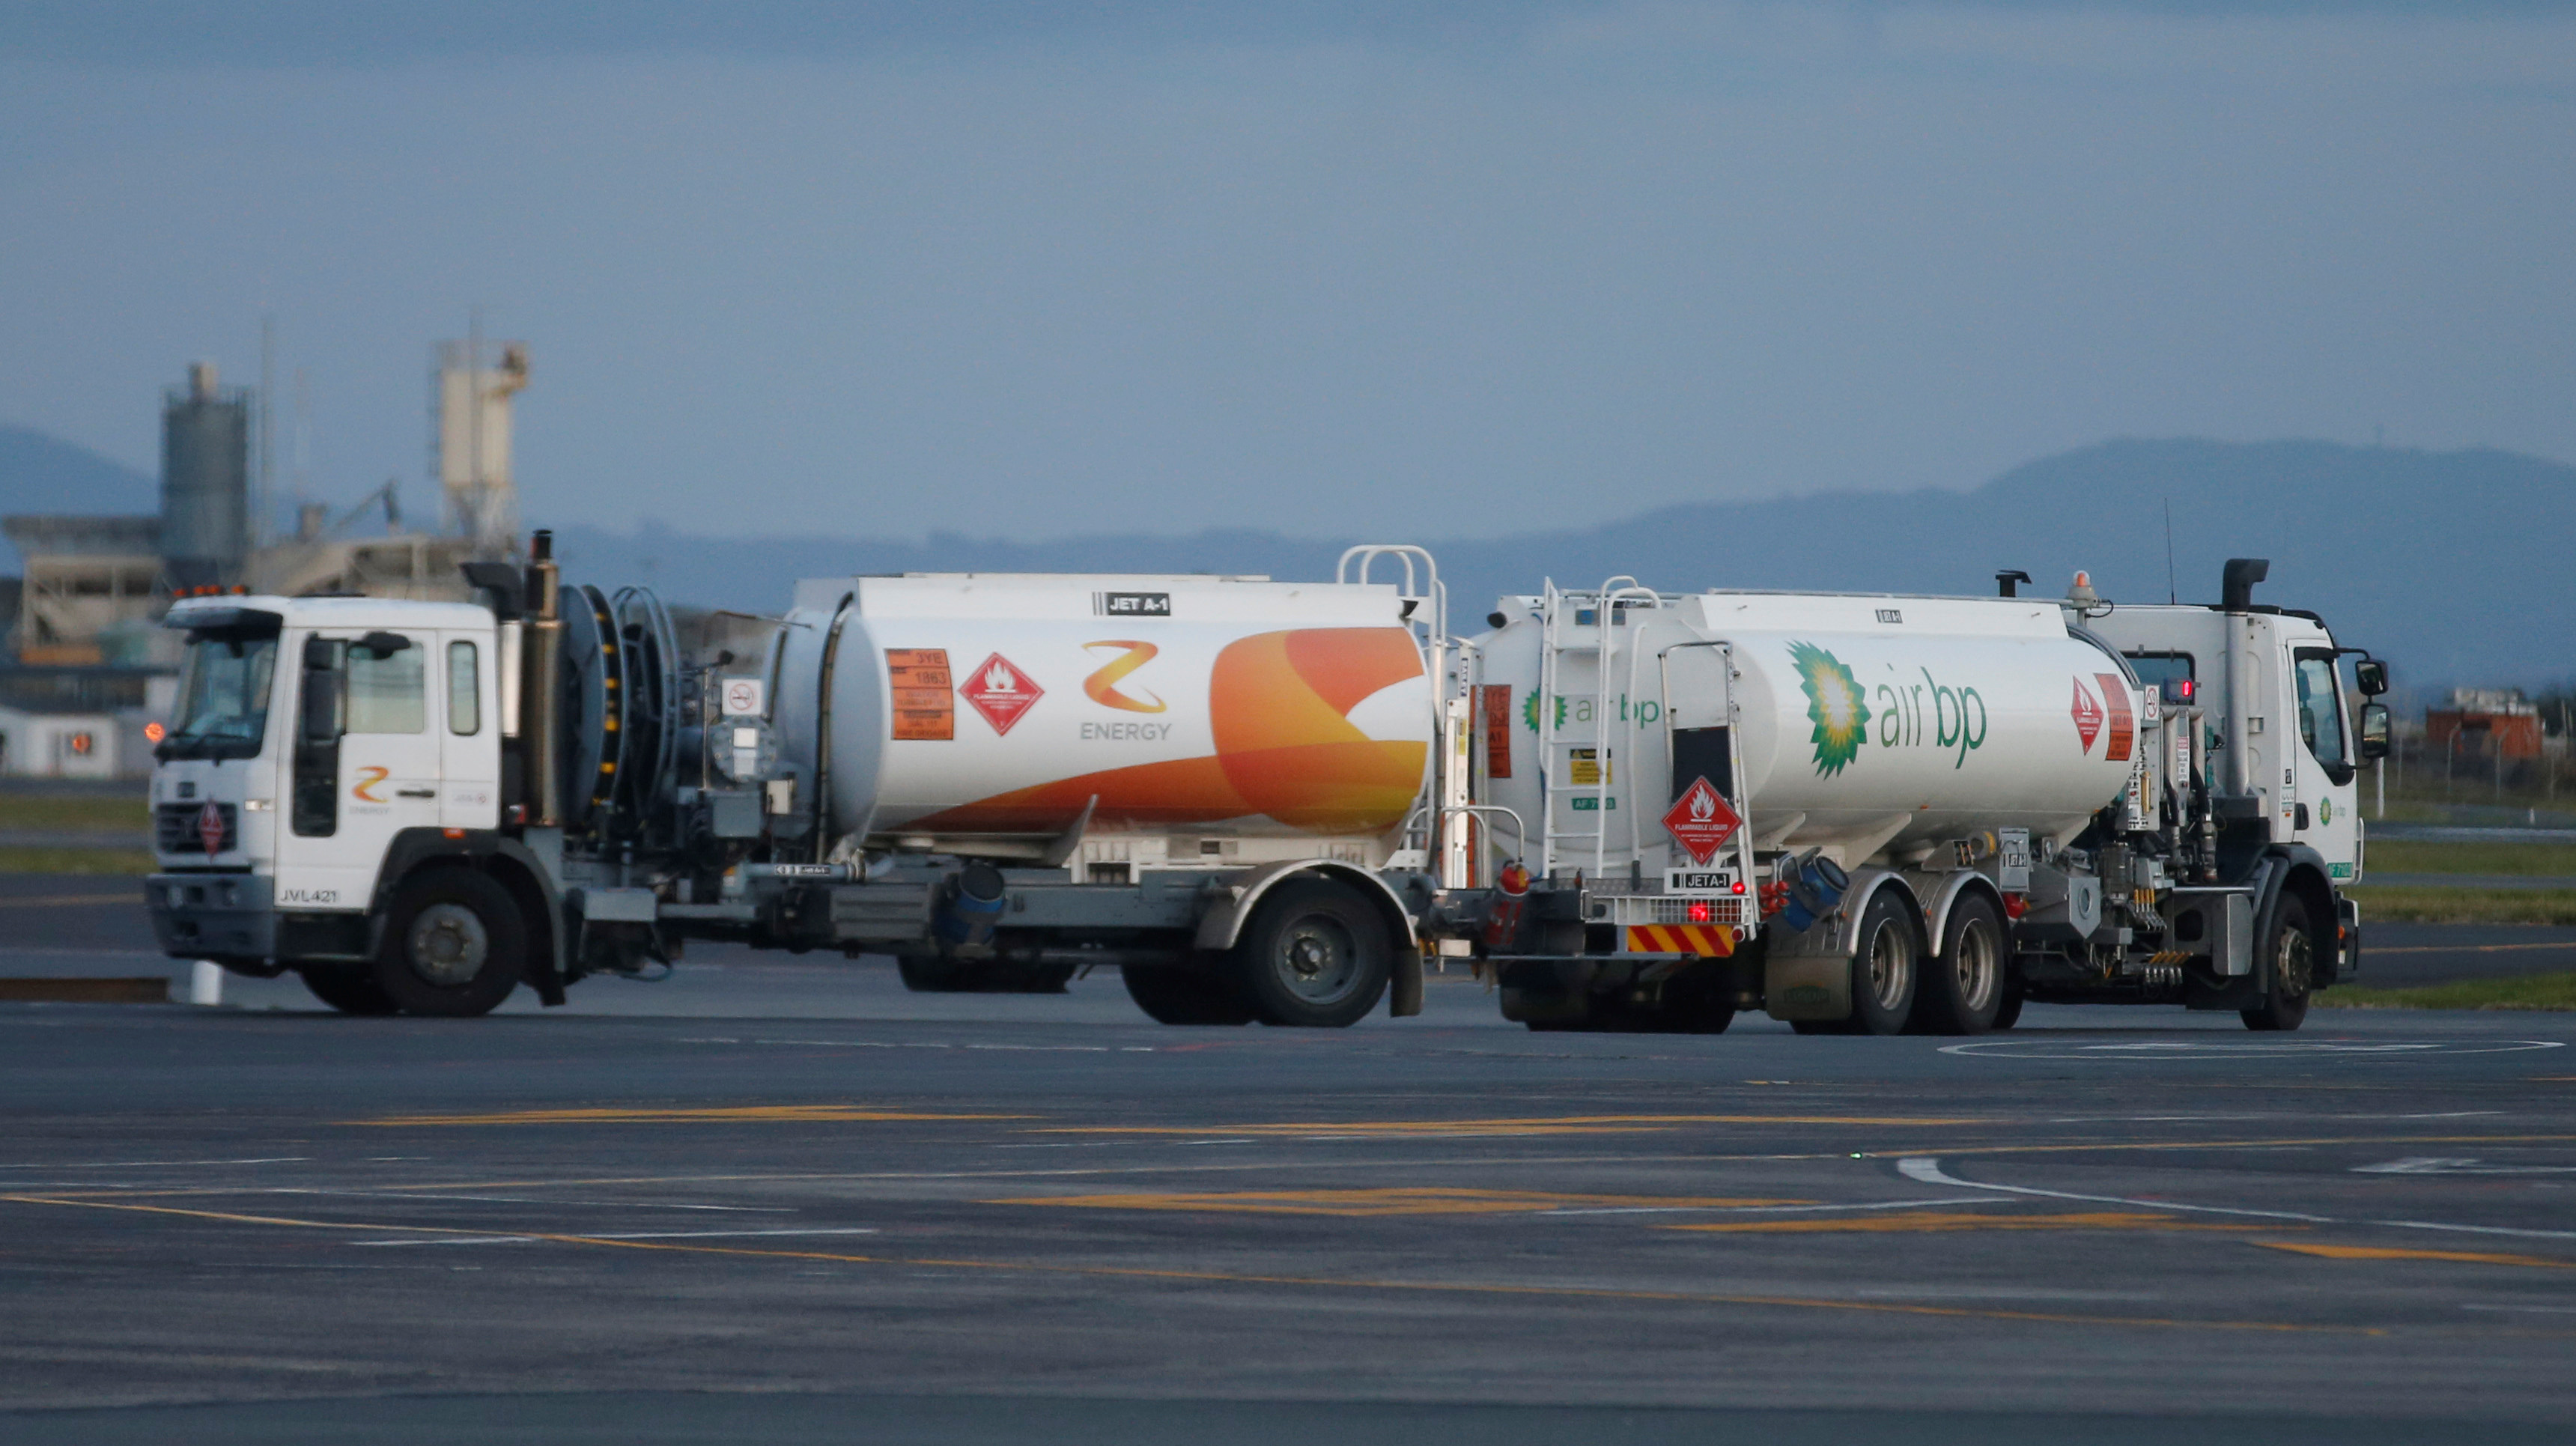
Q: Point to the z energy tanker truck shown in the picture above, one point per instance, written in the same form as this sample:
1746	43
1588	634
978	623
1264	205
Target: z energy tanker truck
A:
1275	801
998	780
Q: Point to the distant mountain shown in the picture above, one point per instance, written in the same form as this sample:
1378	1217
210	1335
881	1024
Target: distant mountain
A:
2454	565
46	474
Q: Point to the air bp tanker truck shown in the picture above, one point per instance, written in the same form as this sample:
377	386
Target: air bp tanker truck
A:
1626	809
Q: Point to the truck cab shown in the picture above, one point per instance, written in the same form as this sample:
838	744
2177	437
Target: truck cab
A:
320	747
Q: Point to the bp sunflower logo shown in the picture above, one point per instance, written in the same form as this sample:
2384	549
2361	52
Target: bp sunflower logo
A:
1834	704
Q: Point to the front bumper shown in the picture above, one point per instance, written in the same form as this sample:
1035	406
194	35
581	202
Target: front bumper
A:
213	916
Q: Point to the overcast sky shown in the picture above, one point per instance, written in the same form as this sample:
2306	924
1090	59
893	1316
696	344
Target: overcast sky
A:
1011	268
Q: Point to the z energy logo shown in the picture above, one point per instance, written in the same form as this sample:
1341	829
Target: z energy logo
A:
1102	686
369	778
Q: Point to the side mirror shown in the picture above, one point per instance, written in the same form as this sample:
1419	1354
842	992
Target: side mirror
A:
2371	676
2374	728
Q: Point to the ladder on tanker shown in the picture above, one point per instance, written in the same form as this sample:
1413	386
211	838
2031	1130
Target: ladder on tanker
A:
1582	760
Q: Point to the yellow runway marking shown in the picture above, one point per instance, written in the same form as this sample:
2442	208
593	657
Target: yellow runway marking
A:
1916	1222
1219	1277
1418	1201
52	901
760	1114
1544	1125
2377	1252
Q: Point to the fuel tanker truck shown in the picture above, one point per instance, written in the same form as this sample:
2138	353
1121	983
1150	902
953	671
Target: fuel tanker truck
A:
1274	800
1870	813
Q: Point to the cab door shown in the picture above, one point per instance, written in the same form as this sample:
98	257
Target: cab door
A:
2318	765
469	794
365	766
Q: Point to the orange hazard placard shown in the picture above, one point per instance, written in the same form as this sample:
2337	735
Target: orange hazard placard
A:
1497	699
2124	726
924	709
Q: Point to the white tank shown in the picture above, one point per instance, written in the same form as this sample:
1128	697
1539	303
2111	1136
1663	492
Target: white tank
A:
990	711
1857	723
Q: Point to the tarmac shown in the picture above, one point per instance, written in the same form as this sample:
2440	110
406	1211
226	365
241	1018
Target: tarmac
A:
783	1200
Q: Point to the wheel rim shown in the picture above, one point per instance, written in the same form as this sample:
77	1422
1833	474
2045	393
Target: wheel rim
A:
2294	964
1316	959
1972	960
448	945
1891	967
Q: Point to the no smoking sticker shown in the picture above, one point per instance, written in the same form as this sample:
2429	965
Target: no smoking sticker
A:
745	697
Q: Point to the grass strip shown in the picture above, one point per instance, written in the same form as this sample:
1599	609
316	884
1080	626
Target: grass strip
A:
2428	904
2419	856
2531	991
132	863
77	812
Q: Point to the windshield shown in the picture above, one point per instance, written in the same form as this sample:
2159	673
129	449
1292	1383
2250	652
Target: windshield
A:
223	697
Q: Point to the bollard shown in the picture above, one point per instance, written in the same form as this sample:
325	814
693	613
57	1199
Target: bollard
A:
206	983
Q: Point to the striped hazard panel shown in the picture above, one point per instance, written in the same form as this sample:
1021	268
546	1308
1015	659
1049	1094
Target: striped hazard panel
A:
1709	941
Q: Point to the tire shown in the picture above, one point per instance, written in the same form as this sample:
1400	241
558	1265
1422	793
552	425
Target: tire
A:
1184	996
1886	966
350	989
454	945
2008	1013
1315	956
934	976
1035	979
1961	989
2291	951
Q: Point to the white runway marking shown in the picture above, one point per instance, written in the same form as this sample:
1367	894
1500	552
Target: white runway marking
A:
2431	1165
155	1164
2158	1051
629	1235
1928	1170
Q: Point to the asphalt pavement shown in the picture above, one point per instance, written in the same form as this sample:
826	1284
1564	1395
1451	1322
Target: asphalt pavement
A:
783	1200
969	1218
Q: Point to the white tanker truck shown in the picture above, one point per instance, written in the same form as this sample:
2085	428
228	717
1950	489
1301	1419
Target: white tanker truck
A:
1635	809
1874	813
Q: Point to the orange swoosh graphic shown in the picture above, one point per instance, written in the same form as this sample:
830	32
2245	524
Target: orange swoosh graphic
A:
1102	687
373	777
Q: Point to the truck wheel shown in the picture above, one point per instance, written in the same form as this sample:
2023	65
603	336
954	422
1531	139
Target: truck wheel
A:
1883	967
2292	950
934	976
1962	989
454	945
1184	996
2008	1013
1315	956
348	988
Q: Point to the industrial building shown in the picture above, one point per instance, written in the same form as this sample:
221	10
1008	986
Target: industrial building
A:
87	674
2491	723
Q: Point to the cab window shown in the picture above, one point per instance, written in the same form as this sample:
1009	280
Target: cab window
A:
2320	712
464	689
387	693
2154	668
